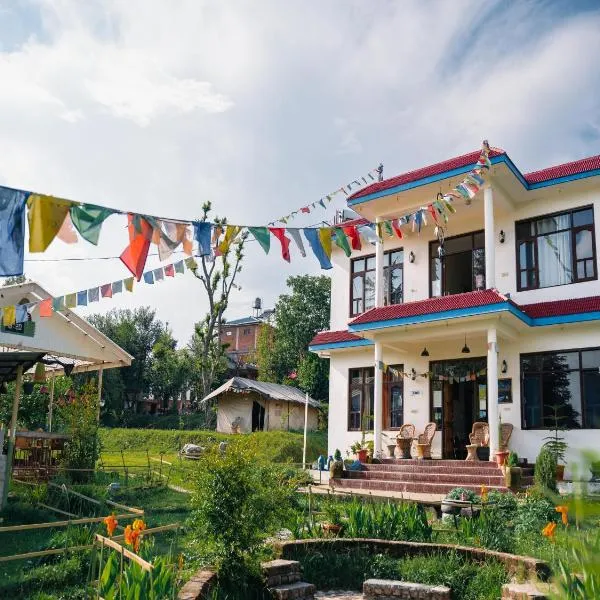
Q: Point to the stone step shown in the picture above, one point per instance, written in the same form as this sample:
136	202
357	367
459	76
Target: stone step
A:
526	591
281	572
294	591
431	477
436	463
384	589
415	487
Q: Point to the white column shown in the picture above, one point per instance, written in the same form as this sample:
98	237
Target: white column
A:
492	390
490	238
378	400
100	373
379	296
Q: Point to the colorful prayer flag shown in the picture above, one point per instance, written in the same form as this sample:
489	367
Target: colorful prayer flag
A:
352	233
46	215
342	241
148	277
12	231
202	234
262	236
169	271
134	256
128	284
71	300
325	238
279	233
312	236
58	303
106	290
46	308
67	233
190	263
295	234
117	286
158	274
21	313
88	220
179	267
94	294
231	232
82	299
9	316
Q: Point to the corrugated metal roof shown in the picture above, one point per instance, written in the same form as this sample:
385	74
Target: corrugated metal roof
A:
243	321
274	391
9	361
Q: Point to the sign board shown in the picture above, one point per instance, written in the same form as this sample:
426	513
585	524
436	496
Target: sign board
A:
504	391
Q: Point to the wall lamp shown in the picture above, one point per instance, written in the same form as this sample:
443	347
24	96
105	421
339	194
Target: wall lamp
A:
411	257
502	236
504	367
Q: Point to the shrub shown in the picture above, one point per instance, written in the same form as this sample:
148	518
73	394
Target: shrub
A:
533	513
513	460
545	470
459	493
505	503
489	530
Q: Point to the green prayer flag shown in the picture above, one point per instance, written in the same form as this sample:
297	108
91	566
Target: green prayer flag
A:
88	220
388	228
179	266
262	236
58	303
342	241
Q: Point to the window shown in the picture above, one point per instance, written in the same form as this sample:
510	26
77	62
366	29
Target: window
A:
246	332
556	249
393	397
362	281
561	387
228	333
459	267
361	398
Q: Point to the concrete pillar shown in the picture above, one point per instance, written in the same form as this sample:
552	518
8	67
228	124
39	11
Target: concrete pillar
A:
492	390
379	295
378	400
490	238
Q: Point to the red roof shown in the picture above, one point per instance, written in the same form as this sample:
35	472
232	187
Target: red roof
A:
572	168
334	337
442	167
557	308
430	306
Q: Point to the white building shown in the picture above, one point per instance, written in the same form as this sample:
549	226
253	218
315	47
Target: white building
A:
516	285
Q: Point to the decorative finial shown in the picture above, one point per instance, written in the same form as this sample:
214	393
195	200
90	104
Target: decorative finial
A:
380	172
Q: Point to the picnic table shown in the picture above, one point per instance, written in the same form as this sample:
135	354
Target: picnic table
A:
36	450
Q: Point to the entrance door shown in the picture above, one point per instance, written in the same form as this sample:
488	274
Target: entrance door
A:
459	398
258	416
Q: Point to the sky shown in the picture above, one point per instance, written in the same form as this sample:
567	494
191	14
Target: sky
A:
264	106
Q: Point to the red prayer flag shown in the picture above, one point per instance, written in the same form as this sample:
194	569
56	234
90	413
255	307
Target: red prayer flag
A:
396	228
352	233
46	308
106	290
431	210
279	233
169	271
134	256
305	209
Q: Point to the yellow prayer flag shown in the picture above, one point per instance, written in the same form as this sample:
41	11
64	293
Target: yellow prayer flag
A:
46	215
71	300
325	237
9	316
231	232
128	284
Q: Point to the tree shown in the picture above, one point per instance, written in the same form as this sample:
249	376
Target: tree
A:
298	317
137	332
217	273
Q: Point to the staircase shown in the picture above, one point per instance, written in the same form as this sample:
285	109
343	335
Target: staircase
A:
426	476
283	580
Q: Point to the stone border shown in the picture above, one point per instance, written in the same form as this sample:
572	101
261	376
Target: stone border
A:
199	586
528	566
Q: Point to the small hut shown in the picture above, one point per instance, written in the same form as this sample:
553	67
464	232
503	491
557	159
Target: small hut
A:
245	405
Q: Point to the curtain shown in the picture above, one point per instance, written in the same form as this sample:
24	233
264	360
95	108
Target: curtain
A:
554	252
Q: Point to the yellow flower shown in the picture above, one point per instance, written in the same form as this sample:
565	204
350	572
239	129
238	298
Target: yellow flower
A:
139	525
111	524
549	530
484	493
180	562
564	513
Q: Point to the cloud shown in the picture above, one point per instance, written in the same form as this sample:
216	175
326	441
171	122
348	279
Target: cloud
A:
263	107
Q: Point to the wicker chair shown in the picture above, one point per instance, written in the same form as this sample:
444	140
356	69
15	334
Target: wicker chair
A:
506	430
404	439
480	434
424	439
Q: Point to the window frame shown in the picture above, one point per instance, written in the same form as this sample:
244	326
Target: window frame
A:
364	372
389	382
532	238
430	259
580	370
387	269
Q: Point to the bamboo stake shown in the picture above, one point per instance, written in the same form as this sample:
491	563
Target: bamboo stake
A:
49	524
124	552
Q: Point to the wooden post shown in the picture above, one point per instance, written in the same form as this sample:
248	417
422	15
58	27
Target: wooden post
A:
12	431
51	402
100	373
305	429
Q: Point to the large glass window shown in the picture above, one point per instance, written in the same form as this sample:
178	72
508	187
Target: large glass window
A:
362	292
459	266
393	396
361	399
556	249
561	388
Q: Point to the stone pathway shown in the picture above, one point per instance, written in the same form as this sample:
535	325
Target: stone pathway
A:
338	595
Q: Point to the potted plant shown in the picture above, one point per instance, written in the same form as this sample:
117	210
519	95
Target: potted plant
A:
336	470
512	472
360	451
555	443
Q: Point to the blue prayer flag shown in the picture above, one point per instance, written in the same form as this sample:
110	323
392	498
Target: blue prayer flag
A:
202	233
82	298
148	277
12	231
312	235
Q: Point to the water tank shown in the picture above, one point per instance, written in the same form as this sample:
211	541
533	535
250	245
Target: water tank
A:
257	304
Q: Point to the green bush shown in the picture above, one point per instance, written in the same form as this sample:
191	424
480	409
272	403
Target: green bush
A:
488	530
505	503
459	493
545	470
135	421
534	513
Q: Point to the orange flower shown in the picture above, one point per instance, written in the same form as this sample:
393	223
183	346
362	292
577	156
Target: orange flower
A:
549	530
564	513
484	493
111	524
129	535
139	525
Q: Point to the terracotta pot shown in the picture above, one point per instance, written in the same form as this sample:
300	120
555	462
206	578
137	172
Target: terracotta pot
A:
361	455
560	472
391	448
421	450
501	457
